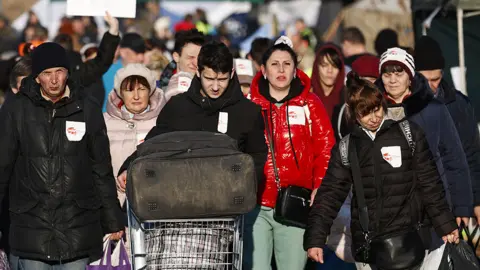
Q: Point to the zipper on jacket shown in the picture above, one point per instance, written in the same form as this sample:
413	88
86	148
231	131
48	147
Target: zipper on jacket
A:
50	144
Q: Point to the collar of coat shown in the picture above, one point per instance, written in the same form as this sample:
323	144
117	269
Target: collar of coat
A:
64	107
299	90
231	96
358	131
448	90
420	97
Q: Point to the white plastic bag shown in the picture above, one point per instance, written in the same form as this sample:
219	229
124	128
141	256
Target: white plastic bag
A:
340	238
433	259
116	255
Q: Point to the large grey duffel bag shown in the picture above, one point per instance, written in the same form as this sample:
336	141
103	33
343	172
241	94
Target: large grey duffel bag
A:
191	174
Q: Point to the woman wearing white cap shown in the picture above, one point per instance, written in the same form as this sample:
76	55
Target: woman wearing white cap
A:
410	97
132	110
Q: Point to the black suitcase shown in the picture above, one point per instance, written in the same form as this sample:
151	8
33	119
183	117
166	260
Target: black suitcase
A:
191	174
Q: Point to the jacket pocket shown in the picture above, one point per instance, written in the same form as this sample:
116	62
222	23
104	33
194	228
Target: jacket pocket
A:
89	203
23	206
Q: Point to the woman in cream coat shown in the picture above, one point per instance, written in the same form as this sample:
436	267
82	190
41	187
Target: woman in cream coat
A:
132	110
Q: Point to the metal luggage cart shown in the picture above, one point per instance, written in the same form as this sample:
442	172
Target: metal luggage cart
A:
201	244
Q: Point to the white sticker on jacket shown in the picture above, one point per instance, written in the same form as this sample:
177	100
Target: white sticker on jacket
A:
296	115
222	122
141	138
183	84
75	130
244	67
393	155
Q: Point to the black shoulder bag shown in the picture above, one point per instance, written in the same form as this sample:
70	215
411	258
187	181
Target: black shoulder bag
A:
293	202
401	250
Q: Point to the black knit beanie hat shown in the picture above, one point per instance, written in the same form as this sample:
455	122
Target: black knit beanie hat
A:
48	55
428	54
386	39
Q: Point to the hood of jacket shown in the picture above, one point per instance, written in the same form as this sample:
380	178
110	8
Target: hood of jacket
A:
339	82
299	90
115	103
232	95
421	95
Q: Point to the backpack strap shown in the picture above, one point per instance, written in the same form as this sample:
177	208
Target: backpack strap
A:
343	148
340	118
407	132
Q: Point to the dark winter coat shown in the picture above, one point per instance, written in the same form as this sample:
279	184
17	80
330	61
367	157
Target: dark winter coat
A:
393	203
62	190
442	136
191	111
91	71
463	116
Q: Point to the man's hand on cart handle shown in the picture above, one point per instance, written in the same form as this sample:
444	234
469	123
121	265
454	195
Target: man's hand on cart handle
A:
122	181
116	236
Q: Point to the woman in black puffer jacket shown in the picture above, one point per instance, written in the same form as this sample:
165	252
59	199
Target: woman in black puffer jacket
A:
400	181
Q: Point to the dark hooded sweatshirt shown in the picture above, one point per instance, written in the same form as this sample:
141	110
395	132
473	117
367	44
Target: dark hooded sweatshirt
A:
191	111
435	120
336	96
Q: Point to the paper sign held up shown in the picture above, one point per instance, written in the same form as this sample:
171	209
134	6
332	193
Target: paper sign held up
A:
116	8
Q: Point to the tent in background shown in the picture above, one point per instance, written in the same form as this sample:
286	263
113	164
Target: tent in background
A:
372	16
444	28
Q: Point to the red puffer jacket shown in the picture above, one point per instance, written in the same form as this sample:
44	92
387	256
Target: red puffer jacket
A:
302	149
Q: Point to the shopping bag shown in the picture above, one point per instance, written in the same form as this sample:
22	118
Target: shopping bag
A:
106	242
4	261
471	234
340	238
108	262
120	256
433	259
459	257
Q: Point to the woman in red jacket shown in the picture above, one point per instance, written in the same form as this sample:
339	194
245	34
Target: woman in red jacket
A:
302	138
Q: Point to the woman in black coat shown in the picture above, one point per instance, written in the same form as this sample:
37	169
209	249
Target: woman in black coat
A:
399	179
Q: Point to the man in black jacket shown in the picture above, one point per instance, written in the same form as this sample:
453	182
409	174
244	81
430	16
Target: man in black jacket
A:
214	102
185	55
430	63
55	159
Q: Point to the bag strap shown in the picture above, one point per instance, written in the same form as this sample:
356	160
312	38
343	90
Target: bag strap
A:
343	148
359	191
407	132
107	253
123	256
340	119
272	151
